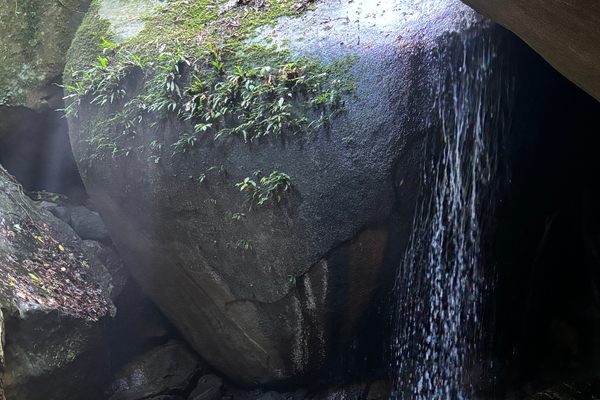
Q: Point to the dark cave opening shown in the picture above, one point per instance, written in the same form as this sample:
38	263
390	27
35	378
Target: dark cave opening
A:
545	249
35	148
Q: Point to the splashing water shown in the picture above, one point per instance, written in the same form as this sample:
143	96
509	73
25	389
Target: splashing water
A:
440	286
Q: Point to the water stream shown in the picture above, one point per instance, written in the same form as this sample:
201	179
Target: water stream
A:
441	285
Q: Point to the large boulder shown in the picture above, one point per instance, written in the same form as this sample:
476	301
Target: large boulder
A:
565	33
34	39
265	252
55	304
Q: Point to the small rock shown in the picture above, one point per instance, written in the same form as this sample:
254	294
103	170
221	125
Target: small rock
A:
167	397
88	224
236	394
166	369
300	394
353	392
210	387
62	213
379	390
272	396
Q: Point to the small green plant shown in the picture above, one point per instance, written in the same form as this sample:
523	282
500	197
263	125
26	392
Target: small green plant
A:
185	143
268	188
102	83
36	279
200	178
216	62
107	45
218	169
156	149
238	216
244	244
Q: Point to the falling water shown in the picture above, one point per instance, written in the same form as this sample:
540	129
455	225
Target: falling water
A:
440	286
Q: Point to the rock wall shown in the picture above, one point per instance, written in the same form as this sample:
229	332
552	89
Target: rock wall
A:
565	33
35	38
55	304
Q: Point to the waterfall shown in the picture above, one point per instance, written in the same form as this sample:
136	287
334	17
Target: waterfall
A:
440	287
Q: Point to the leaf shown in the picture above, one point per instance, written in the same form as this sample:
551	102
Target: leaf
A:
34	277
61	248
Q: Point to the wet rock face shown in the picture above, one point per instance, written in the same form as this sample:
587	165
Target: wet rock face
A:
55	303
564	33
276	291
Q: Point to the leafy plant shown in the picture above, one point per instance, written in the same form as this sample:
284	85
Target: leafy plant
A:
244	244
254	103
156	148
238	216
268	188
185	143
285	95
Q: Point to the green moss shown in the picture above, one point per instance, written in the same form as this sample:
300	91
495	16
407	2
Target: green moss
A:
86	45
34	37
194	24
196	63
190	25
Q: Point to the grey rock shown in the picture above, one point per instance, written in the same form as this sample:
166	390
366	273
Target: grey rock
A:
285	305
352	392
209	387
583	387
564	35
379	390
47	205
238	394
166	369
34	39
113	263
300	394
88	224
61	212
54	310
272	395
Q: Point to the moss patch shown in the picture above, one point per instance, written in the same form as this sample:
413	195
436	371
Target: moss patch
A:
196	63
34	38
